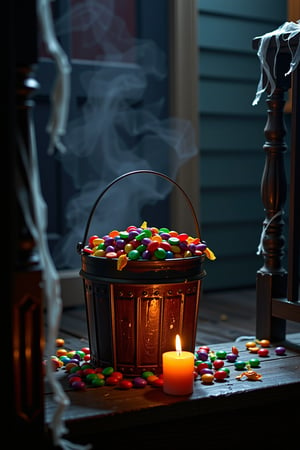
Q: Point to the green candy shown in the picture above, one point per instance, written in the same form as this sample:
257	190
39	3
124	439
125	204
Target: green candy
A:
107	371
141	236
133	254
147	374
221	354
254	362
240	365
97	382
141	248
75	369
148	233
163	230
160	253
173	241
90	377
86	366
123	234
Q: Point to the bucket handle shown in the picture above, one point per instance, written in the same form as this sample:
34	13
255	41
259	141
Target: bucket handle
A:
80	245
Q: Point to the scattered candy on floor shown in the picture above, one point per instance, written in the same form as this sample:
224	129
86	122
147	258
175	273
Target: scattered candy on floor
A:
209	367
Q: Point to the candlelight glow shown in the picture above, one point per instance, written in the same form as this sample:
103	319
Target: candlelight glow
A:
178	344
178	371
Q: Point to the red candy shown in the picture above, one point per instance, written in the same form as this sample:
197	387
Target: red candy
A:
86	350
91	239
218	363
263	352
125	384
112	380
220	375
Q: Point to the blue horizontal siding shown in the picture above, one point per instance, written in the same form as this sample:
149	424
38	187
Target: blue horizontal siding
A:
220	133
228	98
229	272
226	239
226	65
245	170
267	10
229	205
231	135
230	33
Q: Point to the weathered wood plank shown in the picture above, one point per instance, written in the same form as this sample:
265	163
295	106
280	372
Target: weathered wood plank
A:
125	417
276	371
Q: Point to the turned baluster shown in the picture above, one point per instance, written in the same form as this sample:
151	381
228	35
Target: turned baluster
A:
272	277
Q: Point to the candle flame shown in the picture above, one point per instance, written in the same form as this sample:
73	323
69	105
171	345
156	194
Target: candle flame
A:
178	344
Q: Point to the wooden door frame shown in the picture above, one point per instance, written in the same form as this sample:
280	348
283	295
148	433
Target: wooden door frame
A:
183	103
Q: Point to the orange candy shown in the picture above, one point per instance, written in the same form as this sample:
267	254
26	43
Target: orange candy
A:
60	342
264	343
61	352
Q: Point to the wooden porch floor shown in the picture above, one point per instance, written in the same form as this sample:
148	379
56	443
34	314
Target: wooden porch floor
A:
223	414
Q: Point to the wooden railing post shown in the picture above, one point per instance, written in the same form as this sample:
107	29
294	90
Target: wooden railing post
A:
272	277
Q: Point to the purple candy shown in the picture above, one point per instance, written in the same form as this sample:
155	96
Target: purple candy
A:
231	357
280	350
202	355
120	244
109	248
183	245
201	247
78	385
133	234
75	359
192	248
109	241
139	382
146	241
146	254
206	370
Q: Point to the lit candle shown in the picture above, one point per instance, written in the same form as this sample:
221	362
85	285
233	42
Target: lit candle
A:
178	371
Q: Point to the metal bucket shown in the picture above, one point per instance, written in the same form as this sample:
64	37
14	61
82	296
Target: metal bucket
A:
134	314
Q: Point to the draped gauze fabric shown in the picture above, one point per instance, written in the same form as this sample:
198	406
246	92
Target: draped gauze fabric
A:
36	217
285	32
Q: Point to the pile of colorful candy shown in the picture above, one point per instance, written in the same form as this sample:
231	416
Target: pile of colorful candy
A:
82	375
146	243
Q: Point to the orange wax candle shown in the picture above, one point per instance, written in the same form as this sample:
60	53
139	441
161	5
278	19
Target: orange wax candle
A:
178	371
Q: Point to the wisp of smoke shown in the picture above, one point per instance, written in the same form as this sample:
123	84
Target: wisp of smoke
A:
115	130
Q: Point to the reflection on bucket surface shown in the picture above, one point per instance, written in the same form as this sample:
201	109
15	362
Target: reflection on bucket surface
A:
132	321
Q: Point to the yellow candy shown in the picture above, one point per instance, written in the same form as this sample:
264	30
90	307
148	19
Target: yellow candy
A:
210	254
100	253
122	261
97	241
